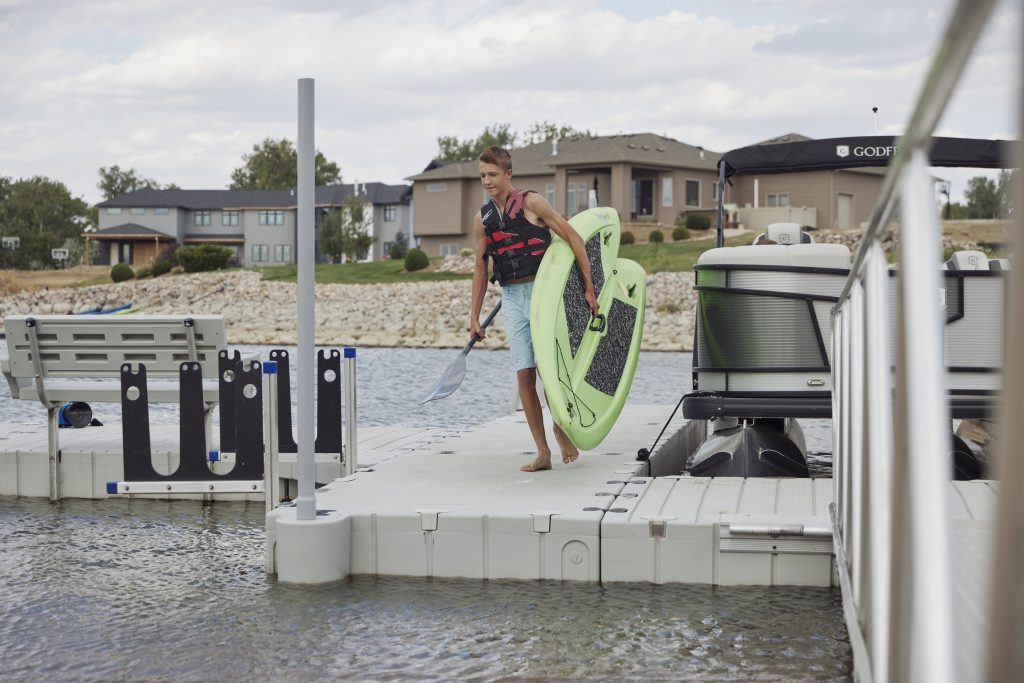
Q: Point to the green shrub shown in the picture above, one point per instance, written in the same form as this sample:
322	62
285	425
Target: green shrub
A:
697	221
161	268
144	272
121	272
656	236
415	259
465	251
204	257
680	233
626	237
398	247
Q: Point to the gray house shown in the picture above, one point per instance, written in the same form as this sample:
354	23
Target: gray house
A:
260	225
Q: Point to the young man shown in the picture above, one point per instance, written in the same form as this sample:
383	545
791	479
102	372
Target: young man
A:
513	229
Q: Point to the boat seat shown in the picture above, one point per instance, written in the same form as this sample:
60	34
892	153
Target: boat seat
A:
968	260
816	255
784	233
999	264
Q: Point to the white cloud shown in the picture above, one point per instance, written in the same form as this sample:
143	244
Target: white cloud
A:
181	90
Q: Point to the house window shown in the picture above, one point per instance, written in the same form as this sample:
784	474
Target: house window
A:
161	211
437	187
693	193
666	191
286	253
260	253
202	218
576	198
229	218
390	213
449	250
271	217
549	194
114	211
778	199
137	211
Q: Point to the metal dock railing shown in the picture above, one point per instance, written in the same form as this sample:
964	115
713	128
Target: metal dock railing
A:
893	526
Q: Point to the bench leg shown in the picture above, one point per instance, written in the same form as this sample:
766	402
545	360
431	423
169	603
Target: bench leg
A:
53	455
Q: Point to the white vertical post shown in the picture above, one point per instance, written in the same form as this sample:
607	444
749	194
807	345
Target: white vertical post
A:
923	442
351	443
306	501
271	485
878	443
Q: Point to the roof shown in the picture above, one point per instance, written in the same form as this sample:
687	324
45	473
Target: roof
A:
860	152
644	149
128	230
326	195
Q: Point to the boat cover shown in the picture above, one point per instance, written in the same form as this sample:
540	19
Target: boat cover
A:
859	152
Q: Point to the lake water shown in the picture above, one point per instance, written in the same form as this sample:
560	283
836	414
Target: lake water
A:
147	590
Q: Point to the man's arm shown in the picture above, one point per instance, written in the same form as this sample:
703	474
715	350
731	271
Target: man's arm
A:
538	205
479	278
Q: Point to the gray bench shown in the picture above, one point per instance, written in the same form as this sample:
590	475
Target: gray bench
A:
54	359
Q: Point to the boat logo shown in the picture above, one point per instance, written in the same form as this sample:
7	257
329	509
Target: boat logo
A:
842	151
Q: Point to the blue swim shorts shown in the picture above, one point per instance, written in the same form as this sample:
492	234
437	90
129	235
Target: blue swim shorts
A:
515	307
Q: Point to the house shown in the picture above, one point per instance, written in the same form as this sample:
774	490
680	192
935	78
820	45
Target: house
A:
260	225
643	176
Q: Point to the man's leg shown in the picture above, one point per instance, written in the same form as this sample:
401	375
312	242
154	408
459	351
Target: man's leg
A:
527	379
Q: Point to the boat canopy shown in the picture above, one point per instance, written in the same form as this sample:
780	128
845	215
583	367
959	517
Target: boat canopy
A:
859	152
853	152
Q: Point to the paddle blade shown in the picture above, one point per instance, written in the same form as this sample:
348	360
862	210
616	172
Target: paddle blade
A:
449	381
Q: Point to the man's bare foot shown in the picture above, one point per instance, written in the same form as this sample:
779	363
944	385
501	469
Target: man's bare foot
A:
569	452
542	462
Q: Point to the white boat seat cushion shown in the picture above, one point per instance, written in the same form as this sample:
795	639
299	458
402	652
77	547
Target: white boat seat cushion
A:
811	255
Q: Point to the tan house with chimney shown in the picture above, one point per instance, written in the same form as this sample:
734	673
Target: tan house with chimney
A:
643	176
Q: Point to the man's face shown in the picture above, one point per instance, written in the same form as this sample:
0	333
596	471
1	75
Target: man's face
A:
494	179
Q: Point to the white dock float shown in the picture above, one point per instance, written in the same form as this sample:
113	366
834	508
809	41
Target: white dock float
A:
92	456
462	508
723	531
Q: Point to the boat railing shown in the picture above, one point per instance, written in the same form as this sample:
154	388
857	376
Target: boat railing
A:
891	515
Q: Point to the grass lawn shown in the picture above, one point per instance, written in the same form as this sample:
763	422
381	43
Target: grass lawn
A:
673	256
655	258
360	273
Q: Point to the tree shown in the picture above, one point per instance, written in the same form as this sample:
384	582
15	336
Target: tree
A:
272	166
982	195
44	215
539	132
1005	190
450	148
343	232
115	181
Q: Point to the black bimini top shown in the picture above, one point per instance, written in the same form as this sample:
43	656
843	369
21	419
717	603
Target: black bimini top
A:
858	152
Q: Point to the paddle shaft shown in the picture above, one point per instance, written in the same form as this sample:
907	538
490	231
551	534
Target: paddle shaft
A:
487	321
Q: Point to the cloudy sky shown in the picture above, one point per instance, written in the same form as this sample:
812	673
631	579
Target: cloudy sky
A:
181	89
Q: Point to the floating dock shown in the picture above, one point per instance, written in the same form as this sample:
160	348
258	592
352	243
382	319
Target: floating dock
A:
460	507
92	456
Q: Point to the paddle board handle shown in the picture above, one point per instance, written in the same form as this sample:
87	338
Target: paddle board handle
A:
597	324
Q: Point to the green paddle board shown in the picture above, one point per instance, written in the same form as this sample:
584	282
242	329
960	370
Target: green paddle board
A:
587	364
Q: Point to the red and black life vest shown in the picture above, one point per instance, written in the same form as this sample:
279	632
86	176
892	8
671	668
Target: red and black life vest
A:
514	244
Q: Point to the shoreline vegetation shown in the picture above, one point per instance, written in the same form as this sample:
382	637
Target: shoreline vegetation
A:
367	304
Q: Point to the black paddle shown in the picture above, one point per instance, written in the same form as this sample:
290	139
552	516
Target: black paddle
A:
456	372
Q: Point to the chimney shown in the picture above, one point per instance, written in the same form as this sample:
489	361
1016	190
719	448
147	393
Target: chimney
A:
554	147
701	152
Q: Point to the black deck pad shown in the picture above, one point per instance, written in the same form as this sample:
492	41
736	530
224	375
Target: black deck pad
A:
606	367
577	314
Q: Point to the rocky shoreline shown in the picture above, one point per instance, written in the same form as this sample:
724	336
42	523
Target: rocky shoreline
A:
414	314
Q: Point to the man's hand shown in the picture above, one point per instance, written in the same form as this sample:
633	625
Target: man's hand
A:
588	294
477	330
